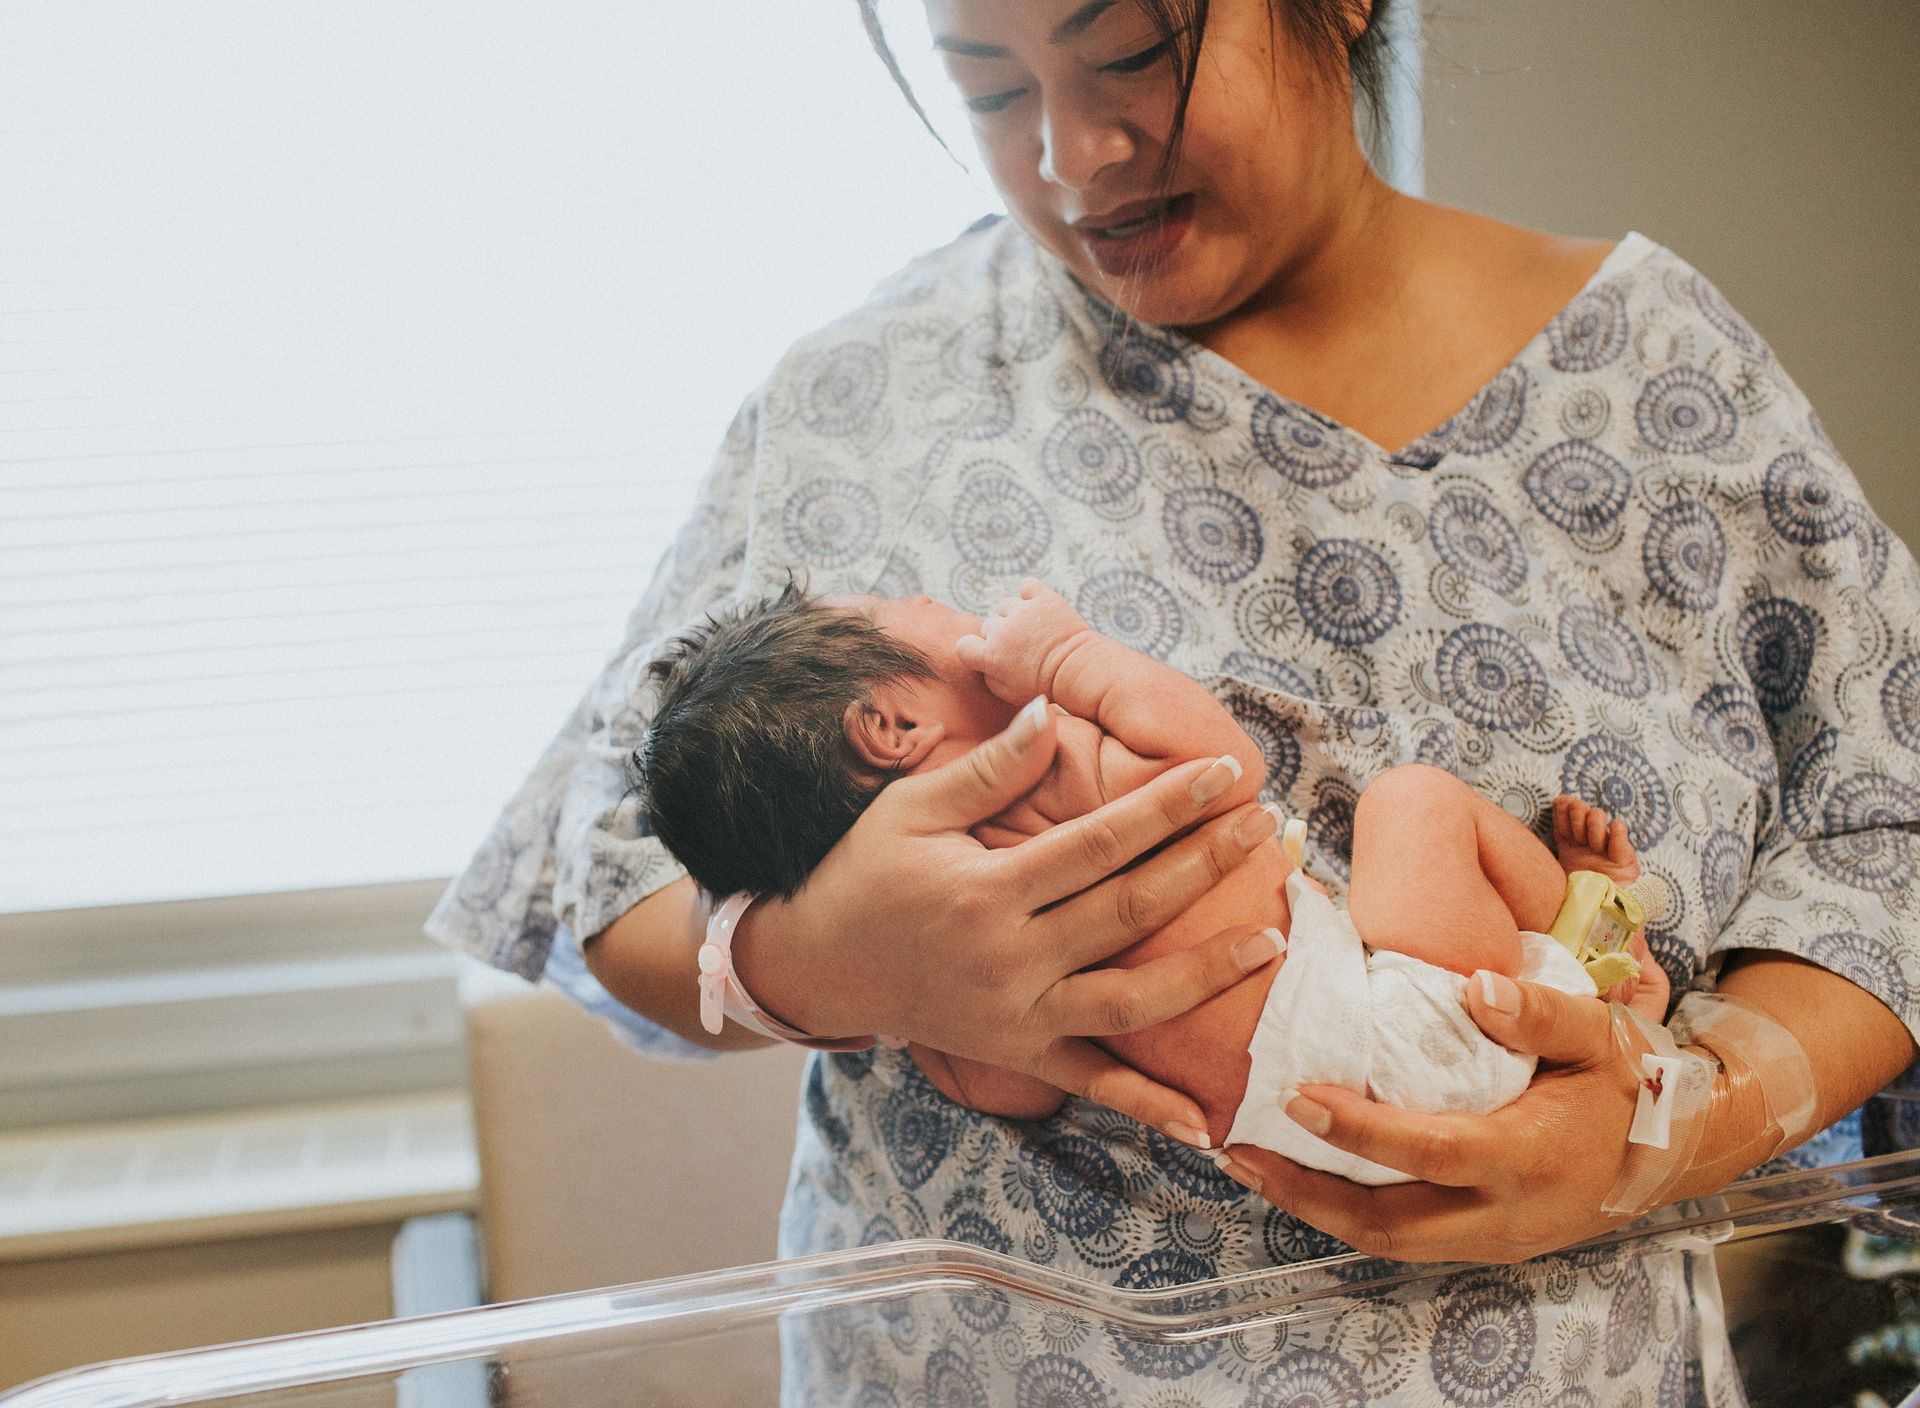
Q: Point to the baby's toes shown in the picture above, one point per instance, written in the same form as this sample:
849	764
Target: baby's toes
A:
1597	823
1563	819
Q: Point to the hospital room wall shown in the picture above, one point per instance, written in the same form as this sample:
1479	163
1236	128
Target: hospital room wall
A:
1770	143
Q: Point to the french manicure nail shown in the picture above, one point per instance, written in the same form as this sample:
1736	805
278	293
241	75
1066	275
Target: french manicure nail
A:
1027	722
1187	1134
1498	992
1215	780
1255	827
1310	1115
1238	1172
1258	950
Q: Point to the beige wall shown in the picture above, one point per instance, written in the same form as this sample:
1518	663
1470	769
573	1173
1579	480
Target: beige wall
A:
1771	143
59	1314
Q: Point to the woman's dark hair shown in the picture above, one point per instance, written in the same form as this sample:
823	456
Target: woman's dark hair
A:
747	773
1346	44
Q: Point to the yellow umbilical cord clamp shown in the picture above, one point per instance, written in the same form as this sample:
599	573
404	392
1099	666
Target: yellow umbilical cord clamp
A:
1596	921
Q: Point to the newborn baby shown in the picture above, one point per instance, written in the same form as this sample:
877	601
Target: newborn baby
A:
779	723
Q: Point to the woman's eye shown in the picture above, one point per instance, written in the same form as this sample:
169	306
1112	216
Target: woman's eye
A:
1145	59
993	102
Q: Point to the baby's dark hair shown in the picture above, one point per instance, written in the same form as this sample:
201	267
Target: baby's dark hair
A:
748	775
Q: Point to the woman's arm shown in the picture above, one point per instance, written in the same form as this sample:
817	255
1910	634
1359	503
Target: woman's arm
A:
1531	1177
645	958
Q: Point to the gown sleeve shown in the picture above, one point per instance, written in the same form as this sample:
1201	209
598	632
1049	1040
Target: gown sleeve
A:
571	851
1828	639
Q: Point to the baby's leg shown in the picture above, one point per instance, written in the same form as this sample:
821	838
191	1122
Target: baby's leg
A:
992	1090
1443	874
1203	1051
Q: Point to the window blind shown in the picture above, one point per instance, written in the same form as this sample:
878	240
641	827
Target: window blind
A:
357	363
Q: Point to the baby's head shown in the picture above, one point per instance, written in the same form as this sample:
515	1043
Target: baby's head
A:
779	723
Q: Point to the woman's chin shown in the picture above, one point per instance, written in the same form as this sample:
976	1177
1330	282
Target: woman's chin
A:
1167	296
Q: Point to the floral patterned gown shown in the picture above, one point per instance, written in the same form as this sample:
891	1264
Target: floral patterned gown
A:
1632	568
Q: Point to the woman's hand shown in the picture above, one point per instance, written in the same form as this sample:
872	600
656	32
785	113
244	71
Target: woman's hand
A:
913	928
1526	1179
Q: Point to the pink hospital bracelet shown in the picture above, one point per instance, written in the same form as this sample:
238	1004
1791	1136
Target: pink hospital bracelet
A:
722	996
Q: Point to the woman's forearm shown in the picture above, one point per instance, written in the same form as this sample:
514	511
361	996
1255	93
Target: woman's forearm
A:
1852	1040
647	959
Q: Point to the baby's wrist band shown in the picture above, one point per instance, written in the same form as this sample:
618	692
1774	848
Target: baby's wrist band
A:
722	995
1730	1056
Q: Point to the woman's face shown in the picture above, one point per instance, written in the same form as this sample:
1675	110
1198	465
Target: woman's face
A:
1071	103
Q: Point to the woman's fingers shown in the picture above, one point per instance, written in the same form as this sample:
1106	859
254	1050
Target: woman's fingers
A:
1110	1001
1098	923
1540	1021
1454	1151
1084	1069
1391	1222
983	782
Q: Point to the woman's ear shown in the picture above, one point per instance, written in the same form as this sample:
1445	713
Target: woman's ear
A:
891	734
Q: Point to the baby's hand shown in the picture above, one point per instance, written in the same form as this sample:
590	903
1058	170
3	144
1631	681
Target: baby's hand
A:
1024	641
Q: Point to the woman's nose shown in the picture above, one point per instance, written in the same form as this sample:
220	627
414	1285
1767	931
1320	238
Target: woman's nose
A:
1078	142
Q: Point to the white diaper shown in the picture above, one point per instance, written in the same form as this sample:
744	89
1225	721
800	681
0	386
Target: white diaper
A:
1382	1023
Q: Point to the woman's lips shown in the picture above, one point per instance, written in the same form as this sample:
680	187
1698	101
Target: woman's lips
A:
1145	233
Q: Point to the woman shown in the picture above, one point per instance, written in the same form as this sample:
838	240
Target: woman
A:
1406	484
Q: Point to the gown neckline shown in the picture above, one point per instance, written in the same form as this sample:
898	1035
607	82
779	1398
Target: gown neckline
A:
1425	450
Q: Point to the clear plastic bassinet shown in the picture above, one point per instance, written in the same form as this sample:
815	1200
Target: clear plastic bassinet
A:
715	1338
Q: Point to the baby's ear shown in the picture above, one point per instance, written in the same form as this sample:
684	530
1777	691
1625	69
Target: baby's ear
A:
888	735
875	738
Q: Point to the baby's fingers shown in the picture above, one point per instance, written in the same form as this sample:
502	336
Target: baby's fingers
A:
1619	845
972	652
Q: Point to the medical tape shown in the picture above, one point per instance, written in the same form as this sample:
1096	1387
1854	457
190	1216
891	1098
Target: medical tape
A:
1761	1057
1734	1058
1669	1117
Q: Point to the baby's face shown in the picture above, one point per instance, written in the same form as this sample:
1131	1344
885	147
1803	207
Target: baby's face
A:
929	626
961	699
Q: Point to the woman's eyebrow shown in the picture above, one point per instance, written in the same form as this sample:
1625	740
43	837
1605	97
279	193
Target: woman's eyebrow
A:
1072	26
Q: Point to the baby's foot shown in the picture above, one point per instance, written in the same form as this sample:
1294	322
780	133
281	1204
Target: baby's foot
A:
1586	838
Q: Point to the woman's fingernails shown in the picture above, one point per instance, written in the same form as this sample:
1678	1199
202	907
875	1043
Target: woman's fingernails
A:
1498	992
1027	722
1310	1115
1258	950
1238	1172
1255	827
1187	1134
1215	780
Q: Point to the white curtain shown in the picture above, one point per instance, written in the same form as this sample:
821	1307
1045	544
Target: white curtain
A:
357	361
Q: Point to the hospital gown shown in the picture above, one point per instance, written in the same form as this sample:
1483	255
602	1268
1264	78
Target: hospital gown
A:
1632	568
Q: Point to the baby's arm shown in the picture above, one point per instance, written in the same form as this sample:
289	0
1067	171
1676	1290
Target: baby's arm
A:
1154	715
